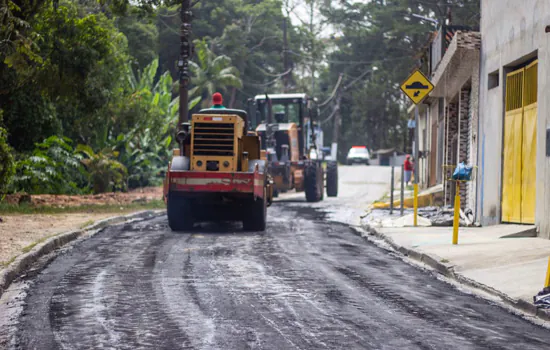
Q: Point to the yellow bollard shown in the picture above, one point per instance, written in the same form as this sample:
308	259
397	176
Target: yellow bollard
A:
456	221
547	282
415	205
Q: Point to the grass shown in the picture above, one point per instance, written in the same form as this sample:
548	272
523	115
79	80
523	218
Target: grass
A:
87	223
32	245
27	209
27	249
6	263
444	261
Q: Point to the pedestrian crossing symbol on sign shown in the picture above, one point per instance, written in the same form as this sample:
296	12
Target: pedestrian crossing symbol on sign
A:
417	87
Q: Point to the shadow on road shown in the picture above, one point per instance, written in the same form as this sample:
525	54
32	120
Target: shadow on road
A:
219	228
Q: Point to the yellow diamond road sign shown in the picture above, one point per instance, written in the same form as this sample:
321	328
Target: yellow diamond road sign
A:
417	86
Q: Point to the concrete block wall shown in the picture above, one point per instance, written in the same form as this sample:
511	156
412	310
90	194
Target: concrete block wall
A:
469	40
464	142
451	131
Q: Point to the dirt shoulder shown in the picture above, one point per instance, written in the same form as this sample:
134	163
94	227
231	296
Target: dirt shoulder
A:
48	215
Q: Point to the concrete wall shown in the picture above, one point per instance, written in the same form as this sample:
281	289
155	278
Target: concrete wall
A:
512	33
433	117
423	144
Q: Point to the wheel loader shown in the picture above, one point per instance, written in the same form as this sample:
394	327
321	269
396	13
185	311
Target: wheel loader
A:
293	144
219	172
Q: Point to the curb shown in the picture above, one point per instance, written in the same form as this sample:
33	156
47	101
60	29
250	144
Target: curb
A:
25	261
447	270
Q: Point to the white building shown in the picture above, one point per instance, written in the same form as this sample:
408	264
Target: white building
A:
448	125
514	161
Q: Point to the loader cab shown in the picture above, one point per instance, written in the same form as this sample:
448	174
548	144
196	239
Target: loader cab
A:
286	139
298	109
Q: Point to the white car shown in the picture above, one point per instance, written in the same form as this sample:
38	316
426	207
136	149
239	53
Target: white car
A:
358	154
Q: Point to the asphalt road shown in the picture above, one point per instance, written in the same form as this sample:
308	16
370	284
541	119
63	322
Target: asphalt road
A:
308	282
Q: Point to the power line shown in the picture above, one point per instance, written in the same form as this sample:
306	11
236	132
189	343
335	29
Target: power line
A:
329	117
358	78
353	62
266	73
333	91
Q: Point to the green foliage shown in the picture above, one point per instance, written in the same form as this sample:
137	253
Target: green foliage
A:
147	147
84	68
7	168
142	35
212	73
106	174
52	168
29	115
17	48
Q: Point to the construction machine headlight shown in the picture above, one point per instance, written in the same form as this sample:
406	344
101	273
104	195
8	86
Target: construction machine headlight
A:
199	163
226	164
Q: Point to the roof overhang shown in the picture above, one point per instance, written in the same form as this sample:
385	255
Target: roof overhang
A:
458	65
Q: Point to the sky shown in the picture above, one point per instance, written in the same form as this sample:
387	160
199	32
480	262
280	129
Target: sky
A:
301	13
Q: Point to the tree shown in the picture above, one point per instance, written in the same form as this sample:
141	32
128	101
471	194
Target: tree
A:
211	73
6	161
81	69
381	33
84	68
143	37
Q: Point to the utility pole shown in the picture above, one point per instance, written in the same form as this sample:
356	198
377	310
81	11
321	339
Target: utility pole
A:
285	56
336	126
311	27
416	163
337	112
186	49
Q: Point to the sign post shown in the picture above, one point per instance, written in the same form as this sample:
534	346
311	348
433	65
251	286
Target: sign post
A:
416	87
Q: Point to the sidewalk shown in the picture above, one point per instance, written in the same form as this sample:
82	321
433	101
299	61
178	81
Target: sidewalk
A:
494	258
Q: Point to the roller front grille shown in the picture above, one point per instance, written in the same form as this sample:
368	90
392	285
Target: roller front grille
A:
213	139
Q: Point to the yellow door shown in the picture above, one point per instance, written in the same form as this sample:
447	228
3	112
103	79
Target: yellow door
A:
511	175
529	147
520	146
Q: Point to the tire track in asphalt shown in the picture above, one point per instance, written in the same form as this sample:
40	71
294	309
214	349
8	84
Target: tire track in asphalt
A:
229	288
403	288
118	268
306	283
352	309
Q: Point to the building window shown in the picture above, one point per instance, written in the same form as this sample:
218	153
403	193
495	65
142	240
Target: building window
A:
493	80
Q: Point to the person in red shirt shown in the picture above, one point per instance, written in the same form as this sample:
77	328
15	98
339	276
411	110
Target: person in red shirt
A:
408	167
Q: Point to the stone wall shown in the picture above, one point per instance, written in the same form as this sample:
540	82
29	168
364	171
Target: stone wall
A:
464	145
451	131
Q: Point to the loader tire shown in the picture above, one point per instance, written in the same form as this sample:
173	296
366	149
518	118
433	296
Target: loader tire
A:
313	183
257	215
179	214
332	179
